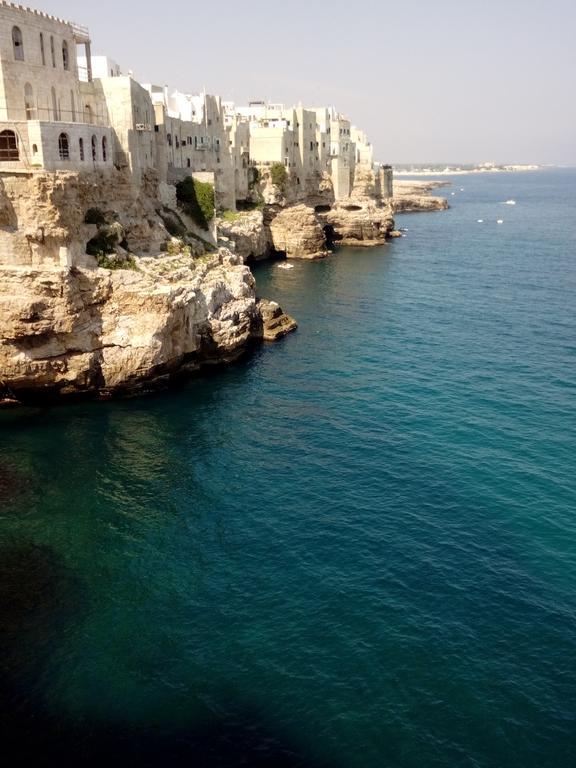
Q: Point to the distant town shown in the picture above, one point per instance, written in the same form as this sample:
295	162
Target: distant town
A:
436	169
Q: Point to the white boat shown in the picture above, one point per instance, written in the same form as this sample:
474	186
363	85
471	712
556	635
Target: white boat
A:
510	202
500	221
480	221
285	266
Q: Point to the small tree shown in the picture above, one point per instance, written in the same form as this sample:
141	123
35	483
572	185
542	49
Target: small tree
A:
278	175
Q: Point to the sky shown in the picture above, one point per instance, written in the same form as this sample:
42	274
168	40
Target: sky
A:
428	80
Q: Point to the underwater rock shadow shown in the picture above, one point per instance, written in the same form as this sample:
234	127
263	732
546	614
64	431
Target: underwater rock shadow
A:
39	594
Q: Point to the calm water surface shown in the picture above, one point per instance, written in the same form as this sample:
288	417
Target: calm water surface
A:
355	550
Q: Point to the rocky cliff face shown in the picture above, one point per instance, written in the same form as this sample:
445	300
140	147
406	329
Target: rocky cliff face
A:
300	232
297	233
358	223
413	196
164	307
43	215
248	235
95	331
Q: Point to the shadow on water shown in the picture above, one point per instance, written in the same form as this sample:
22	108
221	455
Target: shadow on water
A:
36	591
13	483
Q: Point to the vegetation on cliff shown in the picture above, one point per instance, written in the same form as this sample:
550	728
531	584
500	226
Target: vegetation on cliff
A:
278	175
197	200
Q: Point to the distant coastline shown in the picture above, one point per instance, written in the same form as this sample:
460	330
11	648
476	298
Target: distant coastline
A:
459	170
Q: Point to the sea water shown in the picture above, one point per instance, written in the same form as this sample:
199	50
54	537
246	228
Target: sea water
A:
355	549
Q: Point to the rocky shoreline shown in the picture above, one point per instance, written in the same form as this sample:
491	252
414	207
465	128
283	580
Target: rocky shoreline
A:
160	307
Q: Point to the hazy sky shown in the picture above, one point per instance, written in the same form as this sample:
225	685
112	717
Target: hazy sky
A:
429	80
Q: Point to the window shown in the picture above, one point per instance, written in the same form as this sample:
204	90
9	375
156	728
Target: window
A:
188	162
81	148
89	117
72	106
29	102
17	44
169	139
42	54
55	115
8	146
94	149
177	142
104	149
34	149
52	51
65	57
63	147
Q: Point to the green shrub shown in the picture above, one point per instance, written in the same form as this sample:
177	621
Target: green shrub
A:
103	260
249	205
197	199
94	216
228	215
278	175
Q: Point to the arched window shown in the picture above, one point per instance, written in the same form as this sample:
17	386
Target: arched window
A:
8	146
169	139
52	51
81	148
17	44
34	149
63	146
55	114
42	54
29	102
94	149
65	57
73	106
88	114
104	149
188	162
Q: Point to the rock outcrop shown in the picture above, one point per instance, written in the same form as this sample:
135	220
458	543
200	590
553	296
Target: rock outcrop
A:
357	223
297	233
273	323
67	331
247	235
413	196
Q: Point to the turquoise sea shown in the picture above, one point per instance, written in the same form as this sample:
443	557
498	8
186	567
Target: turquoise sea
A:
355	549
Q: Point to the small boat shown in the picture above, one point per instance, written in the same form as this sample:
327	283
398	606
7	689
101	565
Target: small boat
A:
285	266
461	189
480	221
452	193
510	202
500	221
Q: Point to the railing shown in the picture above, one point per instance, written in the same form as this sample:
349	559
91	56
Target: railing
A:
81	33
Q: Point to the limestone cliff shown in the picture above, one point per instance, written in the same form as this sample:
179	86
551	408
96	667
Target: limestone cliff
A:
302	232
163	306
247	235
360	223
414	196
297	233
95	331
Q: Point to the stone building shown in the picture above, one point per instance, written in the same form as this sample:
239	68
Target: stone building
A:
48	119
62	109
